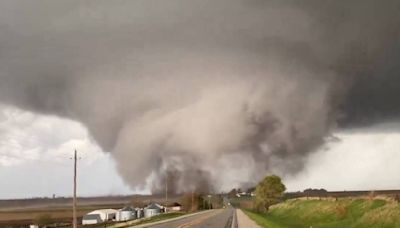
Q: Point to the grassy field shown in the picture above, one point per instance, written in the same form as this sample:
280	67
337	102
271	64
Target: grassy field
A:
330	213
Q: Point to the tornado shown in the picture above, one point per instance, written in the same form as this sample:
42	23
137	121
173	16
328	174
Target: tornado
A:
204	94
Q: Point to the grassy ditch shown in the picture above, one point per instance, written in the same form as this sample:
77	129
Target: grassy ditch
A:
161	217
330	213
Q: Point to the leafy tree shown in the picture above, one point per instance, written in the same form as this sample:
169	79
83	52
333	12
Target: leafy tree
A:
192	202
217	201
268	192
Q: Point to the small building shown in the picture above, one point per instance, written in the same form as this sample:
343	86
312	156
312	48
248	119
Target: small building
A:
175	207
152	210
126	213
91	219
99	216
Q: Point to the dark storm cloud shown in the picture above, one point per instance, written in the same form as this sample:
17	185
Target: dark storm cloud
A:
374	96
191	86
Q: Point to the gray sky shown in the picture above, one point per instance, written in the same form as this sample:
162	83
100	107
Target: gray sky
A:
213	92
35	151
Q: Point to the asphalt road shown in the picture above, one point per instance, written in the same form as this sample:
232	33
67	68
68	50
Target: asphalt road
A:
221	218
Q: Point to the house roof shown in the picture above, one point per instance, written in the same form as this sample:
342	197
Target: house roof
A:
128	208
174	205
153	206
104	211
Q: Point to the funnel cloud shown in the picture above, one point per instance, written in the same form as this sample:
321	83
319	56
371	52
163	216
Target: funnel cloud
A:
204	91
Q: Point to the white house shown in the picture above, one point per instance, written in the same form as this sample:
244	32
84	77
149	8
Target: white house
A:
99	216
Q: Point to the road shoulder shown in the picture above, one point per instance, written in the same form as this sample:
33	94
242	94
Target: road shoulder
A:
243	221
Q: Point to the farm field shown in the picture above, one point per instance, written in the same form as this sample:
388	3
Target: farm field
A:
57	214
22	212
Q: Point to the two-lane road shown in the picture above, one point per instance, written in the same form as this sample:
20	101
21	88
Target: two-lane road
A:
220	218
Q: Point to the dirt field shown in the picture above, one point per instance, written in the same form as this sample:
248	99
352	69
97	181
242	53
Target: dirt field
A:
22	212
61	214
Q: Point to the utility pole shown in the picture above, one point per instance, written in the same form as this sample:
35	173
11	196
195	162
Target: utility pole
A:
166	191
74	221
193	200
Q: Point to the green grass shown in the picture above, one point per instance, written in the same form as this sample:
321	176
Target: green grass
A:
265	220
146	220
242	202
343	213
162	217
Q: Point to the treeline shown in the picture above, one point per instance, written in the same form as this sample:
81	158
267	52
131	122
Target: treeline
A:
192	202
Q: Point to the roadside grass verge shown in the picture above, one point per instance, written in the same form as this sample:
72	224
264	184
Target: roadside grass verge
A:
161	217
265	220
146	220
330	213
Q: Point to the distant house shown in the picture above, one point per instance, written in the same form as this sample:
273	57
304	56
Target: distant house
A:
240	194
152	210
99	216
175	207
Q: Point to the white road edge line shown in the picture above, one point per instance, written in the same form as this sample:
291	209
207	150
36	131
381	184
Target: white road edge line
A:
234	219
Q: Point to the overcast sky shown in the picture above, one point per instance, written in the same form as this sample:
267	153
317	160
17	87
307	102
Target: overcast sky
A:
35	158
215	93
360	160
